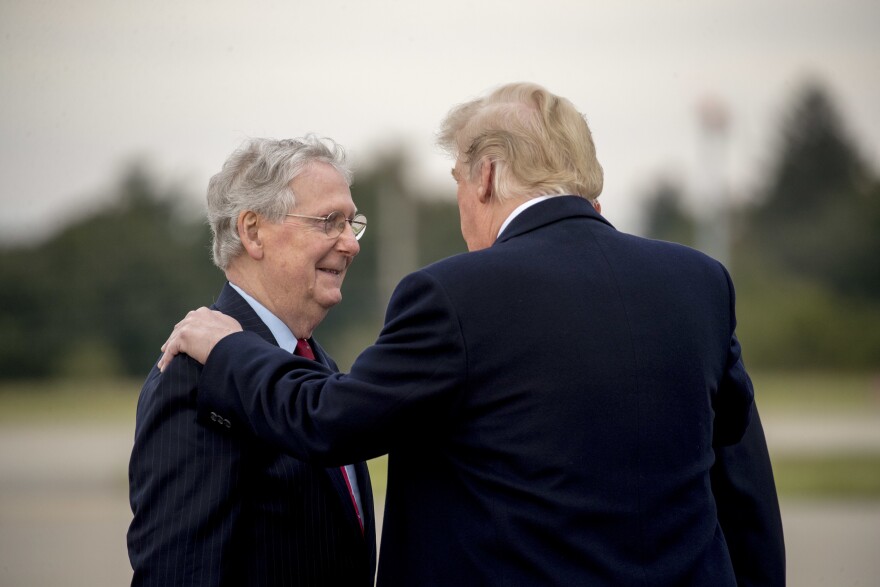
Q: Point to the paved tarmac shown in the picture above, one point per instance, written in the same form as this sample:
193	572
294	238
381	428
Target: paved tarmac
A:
64	509
823	434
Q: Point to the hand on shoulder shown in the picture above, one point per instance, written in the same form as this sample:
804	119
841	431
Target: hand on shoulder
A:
197	334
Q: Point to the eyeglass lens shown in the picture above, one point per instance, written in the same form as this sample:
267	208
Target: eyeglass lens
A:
335	224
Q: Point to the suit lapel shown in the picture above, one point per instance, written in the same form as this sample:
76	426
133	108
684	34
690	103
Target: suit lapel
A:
368	513
232	304
341	488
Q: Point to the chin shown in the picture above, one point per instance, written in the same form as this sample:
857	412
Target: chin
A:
329	300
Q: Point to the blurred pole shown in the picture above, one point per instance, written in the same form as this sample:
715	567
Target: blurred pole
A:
713	229
397	245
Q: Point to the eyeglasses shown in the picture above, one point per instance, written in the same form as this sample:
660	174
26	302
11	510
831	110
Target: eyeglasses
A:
334	223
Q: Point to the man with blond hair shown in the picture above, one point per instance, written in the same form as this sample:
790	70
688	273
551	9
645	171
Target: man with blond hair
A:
564	404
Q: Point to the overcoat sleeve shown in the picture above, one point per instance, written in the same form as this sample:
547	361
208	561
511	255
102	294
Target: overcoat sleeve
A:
399	388
748	508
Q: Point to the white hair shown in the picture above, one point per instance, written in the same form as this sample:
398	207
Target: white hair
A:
257	177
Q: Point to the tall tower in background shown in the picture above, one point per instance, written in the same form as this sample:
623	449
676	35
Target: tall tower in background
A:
713	211
396	241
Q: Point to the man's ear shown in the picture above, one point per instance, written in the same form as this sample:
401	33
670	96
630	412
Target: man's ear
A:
597	206
248	226
487	177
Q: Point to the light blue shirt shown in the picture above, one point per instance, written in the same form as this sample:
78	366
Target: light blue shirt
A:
283	336
286	340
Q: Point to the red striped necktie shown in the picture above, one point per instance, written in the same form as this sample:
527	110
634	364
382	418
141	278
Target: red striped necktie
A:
304	350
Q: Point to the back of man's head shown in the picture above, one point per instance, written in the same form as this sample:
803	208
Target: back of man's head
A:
257	177
538	142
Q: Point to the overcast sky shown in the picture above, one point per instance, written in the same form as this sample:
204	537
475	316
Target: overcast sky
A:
87	86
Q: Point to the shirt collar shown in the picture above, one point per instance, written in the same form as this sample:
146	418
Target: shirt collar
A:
519	209
283	336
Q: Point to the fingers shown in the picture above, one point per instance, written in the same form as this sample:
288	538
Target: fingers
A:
163	362
171	346
193	315
169	349
197	334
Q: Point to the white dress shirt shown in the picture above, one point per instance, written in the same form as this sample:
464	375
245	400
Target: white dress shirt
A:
519	209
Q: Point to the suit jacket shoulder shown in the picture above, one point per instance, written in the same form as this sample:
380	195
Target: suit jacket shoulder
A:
214	507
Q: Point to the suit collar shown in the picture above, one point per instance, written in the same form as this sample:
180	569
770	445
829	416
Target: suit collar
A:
232	304
283	336
547	212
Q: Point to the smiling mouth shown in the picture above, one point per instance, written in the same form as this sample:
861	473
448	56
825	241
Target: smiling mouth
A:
330	271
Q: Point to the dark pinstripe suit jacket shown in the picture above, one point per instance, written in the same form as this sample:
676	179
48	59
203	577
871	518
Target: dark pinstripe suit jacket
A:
213	507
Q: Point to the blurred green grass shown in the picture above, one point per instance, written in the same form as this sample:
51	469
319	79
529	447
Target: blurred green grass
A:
816	392
789	393
849	476
379	475
70	401
778	394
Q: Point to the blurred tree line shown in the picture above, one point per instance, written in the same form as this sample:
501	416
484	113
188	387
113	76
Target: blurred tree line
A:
98	298
804	250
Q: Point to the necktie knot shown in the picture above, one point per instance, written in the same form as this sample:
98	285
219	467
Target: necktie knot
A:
303	349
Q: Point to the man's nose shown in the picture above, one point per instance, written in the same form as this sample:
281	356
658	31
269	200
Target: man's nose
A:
347	243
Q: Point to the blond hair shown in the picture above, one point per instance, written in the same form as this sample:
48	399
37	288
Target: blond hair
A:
537	141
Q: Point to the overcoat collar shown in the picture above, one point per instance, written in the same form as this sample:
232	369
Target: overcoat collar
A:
547	212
